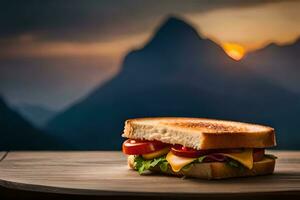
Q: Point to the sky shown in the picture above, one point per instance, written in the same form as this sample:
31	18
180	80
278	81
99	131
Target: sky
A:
53	53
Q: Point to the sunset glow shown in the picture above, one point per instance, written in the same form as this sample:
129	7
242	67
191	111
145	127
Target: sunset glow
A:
235	51
80	49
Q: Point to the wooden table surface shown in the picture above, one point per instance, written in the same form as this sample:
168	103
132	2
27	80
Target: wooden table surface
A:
106	174
2	155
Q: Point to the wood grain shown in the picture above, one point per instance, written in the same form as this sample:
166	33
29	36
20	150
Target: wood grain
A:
106	173
2	155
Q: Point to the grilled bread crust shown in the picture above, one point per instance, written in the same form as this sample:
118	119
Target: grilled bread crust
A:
200	133
218	170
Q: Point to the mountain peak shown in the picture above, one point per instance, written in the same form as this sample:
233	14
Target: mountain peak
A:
174	23
174	29
173	38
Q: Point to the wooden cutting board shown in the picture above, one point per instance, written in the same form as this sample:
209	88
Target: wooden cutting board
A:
106	173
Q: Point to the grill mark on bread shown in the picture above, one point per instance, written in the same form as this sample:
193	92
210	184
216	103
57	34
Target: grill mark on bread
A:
215	127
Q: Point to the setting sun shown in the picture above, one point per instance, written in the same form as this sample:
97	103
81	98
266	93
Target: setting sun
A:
235	51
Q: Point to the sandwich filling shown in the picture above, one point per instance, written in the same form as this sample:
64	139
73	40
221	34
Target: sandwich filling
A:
150	154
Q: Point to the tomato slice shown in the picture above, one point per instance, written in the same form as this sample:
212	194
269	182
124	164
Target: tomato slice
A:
183	151
258	154
139	147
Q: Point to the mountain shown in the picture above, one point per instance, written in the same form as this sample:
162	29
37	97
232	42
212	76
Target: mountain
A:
17	134
178	73
279	63
37	115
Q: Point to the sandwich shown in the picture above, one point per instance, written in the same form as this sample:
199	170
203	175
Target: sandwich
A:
197	147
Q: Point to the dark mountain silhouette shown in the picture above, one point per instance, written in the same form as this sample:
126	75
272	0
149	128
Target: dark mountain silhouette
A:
177	73
17	134
280	63
287	54
37	115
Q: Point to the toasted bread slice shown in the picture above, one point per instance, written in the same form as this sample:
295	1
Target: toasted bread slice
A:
200	133
218	170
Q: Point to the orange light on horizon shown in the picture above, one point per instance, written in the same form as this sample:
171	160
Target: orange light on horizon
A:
235	51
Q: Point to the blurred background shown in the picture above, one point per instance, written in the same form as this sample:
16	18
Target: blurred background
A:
71	72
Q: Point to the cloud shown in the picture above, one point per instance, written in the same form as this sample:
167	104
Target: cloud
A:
252	27
95	20
26	47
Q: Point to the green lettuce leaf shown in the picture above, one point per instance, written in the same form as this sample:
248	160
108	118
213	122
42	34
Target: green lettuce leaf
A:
201	159
142	165
164	166
233	163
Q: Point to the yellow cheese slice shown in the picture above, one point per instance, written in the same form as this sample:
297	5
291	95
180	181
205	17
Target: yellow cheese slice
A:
156	154
245	157
177	162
